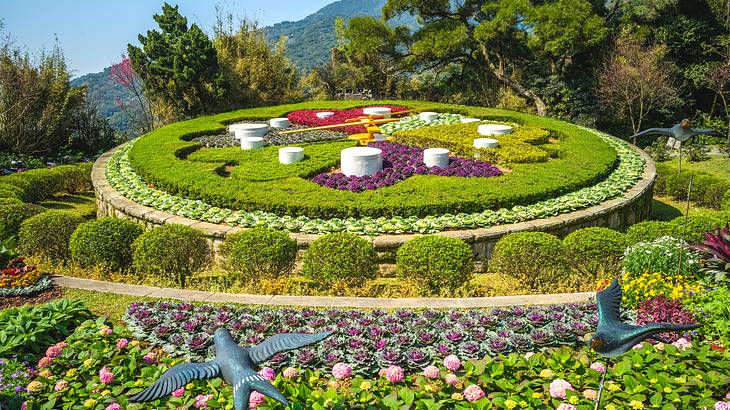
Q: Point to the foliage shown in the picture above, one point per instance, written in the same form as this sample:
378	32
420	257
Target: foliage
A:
14	376
366	339
697	152
637	288
342	256
173	252
714	194
648	231
694	226
662	256
37	184
259	252
437	263
74	179
38	286
716	246
105	242
661	309
536	259
48	234
12	216
27	331
142	114
11	191
595	252
712	308
188	82
659	150
16	274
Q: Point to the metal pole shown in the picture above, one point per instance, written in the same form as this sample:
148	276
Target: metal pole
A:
684	226
600	388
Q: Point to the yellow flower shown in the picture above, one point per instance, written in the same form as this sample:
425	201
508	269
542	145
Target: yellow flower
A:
523	403
138	383
90	403
611	386
680	380
134	343
34	386
105	393
536	395
510	404
189	386
610	407
221	400
653	381
547	374
635	404
45	373
88	362
365	385
229	407
573	399
667	390
71	372
457	397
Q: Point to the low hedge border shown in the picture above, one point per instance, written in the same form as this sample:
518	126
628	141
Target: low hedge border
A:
121	177
160	158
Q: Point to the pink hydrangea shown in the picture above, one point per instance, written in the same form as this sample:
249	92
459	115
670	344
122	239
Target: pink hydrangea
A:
598	366
452	362
150	358
267	373
106	376
122	343
61	385
722	405
44	362
473	392
727	395
178	393
105	331
201	400
341	371
114	406
432	372
54	351
682	343
565	406
381	372
451	379
24	406
255	399
290	373
590	394
394	374
638	346
558	388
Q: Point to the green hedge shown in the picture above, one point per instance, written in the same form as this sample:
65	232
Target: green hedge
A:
13	213
695	225
38	184
536	259
435	262
339	257
105	242
74	179
259	252
167	158
173	252
48	234
11	191
596	252
650	230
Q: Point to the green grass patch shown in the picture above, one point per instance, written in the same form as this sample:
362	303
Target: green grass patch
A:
718	166
83	204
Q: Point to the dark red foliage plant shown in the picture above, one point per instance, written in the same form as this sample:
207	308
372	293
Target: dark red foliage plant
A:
309	117
660	309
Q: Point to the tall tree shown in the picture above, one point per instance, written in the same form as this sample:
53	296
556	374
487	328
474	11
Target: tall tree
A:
140	110
179	65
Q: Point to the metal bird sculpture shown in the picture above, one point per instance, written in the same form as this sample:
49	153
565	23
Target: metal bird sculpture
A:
680	132
235	364
614	337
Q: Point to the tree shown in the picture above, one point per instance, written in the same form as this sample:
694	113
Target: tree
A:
178	65
718	77
256	73
635	81
140	111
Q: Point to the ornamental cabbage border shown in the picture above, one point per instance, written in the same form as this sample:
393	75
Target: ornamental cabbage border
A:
123	179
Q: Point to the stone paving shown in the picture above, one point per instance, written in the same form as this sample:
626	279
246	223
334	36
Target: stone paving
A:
317	301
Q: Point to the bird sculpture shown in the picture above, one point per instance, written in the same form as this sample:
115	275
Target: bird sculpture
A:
614	337
235	364
680	132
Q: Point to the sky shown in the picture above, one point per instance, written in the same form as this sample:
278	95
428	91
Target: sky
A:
94	33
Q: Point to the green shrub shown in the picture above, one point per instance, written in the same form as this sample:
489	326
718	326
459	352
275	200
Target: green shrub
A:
11	191
435	262
649	230
74	179
726	201
339	257
693	226
174	252
700	184
678	185
714	194
105	242
259	252
713	310
13	213
661	256
536	259
660	184
48	234
38	184
596	252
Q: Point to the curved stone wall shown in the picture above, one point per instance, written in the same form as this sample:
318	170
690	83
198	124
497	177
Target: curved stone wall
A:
617	213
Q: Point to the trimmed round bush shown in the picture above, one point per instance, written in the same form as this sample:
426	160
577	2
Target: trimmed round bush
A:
536	259
13	213
714	194
38	184
259	252
339	257
693	226
47	234
73	178
678	185
174	252
700	184
11	191
105	242
596	251
650	230
726	201
435	262
660	184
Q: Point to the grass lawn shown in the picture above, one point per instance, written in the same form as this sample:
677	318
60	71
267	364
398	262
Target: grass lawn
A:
664	208
716	165
83	204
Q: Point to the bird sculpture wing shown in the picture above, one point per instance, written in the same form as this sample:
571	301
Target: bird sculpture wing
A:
707	132
653	131
175	378
609	305
283	342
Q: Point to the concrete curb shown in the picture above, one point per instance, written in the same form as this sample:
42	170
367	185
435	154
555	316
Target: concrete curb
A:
318	301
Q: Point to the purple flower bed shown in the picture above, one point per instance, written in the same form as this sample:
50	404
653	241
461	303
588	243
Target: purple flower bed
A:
367	340
400	162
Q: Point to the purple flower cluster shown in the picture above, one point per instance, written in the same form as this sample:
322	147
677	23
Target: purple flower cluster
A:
368	340
400	162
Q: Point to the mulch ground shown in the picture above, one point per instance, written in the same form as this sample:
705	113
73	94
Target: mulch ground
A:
40	297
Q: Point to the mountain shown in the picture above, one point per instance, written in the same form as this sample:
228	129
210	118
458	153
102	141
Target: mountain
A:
309	42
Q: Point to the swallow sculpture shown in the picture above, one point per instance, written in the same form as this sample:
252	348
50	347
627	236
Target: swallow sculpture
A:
614	337
680	132
235	364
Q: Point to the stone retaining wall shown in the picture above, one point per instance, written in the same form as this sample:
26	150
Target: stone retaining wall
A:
618	213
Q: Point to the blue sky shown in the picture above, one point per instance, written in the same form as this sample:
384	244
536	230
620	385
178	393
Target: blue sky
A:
94	33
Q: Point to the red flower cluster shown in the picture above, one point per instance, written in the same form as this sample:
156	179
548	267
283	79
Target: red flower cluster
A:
660	309
18	274
309	117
